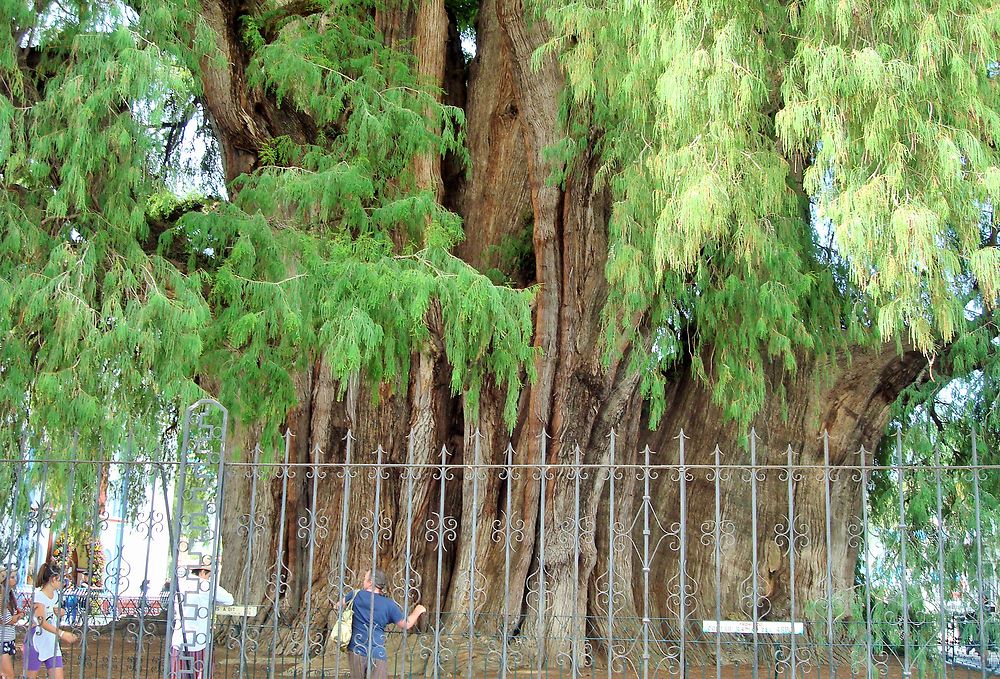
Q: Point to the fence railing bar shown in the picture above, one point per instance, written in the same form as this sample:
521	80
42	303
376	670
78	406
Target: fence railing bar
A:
474	522
94	535
65	523
792	540
307	531
67	518
755	556
20	486
376	538
828	529
612	471
903	578
39	521
980	587
408	549
439	573
174	535
542	500
119	547
553	467
646	558
213	434
869	651
921	547
577	528
279	562
717	535
568	466
939	497
345	506
682	556
251	531
150	522
507	539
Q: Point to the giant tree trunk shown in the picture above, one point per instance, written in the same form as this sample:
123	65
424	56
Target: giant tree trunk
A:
442	538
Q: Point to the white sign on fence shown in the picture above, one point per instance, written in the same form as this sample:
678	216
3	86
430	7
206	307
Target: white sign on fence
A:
746	627
248	611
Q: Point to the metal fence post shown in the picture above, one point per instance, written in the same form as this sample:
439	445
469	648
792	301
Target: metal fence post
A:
611	557
903	577
980	589
945	528
541	622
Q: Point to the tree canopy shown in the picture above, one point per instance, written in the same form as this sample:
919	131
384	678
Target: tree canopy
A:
796	177
789	180
119	298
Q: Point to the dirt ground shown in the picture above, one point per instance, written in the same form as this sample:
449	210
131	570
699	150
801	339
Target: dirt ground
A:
119	656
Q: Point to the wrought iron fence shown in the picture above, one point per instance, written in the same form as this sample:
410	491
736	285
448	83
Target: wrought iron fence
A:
687	563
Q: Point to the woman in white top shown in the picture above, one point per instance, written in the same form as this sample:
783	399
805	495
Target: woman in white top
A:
41	645
9	616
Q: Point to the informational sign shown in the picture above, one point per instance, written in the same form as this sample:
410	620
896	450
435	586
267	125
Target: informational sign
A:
248	611
747	627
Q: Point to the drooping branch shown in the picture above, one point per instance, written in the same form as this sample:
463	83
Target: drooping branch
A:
175	249
272	22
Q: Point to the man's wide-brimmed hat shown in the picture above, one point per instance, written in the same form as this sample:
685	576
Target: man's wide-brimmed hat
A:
195	562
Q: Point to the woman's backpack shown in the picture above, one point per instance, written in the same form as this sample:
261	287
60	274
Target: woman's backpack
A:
344	628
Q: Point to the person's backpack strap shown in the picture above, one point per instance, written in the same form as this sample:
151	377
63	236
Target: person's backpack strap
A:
345	624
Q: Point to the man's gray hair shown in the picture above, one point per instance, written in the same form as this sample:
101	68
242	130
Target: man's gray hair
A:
379	579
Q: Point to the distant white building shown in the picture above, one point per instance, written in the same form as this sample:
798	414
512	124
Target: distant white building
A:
135	551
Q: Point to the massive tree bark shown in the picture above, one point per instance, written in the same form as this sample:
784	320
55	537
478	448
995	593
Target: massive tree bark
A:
442	538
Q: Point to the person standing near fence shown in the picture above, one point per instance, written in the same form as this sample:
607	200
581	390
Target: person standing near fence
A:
373	612
164	597
192	622
144	607
41	644
72	604
9	617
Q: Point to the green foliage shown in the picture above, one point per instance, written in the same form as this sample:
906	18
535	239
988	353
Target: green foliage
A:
733	129
119	301
790	180
514	256
807	179
930	531
464	13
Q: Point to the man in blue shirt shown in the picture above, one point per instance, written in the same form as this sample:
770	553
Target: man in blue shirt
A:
373	612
